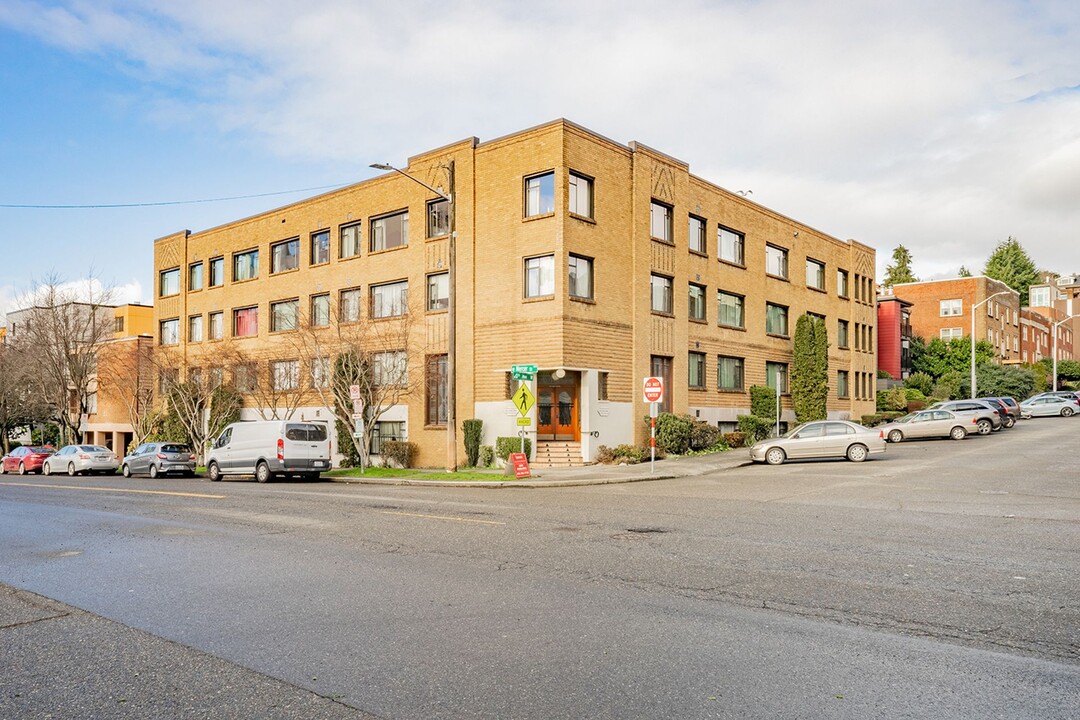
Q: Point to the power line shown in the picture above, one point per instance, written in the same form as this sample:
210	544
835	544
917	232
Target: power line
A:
168	202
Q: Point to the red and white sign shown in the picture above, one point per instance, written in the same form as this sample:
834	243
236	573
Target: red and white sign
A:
653	389
520	461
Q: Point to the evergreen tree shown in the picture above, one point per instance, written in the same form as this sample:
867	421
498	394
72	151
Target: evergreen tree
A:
810	369
1010	264
964	272
900	270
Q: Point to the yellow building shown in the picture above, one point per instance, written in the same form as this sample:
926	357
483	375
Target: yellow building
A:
120	392
599	262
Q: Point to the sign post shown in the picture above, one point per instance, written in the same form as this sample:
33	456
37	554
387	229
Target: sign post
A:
523	400
652	392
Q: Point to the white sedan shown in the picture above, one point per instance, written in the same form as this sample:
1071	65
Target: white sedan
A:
78	459
820	439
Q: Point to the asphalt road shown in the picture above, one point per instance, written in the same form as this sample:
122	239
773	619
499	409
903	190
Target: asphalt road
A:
939	581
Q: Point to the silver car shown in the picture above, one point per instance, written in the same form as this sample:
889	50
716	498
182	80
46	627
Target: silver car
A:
79	459
821	439
1047	405
159	458
929	424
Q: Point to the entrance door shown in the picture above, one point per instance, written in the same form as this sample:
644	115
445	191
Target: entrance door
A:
557	408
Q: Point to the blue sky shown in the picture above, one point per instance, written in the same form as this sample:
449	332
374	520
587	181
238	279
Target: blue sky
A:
945	127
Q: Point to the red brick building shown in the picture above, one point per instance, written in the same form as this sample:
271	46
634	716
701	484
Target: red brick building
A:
894	336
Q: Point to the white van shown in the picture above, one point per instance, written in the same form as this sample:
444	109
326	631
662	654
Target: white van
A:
269	448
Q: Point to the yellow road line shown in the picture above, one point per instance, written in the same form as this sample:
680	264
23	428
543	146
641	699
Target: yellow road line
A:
444	517
118	490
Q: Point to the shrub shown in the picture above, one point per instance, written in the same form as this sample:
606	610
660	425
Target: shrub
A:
884	375
892	399
763	401
399	452
487	455
703	435
755	428
915	405
346	446
631	454
473	432
673	432
506	445
911	394
735	439
923	382
605	455
871	420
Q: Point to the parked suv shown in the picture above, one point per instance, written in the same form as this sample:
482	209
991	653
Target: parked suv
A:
159	458
986	417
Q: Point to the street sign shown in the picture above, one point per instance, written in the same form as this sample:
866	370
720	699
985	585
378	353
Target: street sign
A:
523	399
520	461
524	421
354	392
358	416
653	389
522	376
525	369
357	406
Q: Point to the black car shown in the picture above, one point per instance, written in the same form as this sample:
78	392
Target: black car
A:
1008	408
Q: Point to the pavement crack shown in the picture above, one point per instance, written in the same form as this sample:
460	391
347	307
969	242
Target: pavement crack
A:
34	621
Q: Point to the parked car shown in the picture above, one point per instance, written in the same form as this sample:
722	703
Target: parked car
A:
987	418
270	448
1067	394
820	439
26	459
929	424
1046	405
79	459
1006	415
159	458
1010	403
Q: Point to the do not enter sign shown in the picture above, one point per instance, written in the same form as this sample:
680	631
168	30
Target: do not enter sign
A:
653	389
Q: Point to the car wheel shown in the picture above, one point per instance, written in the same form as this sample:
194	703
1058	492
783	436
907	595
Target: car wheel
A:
958	433
1066	411
985	427
71	470
213	472
1009	421
262	472
22	468
775	456
153	471
857	453
46	470
895	436
126	470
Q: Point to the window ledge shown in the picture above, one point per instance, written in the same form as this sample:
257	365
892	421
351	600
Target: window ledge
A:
697	388
342	258
538	298
732	327
442	236
823	291
661	313
731	391
386	250
777	277
702	321
732	263
284	272
582	218
698	253
584	300
319	264
778	335
437	311
237	282
530	218
669	243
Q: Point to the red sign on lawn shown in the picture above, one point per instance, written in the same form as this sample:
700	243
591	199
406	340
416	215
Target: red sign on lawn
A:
653	390
520	461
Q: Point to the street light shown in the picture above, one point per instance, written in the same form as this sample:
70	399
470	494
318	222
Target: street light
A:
975	307
451	331
1054	329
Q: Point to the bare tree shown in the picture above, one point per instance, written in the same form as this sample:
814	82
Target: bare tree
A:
198	397
20	402
277	390
126	373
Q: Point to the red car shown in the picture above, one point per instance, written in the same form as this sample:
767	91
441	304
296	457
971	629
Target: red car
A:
25	460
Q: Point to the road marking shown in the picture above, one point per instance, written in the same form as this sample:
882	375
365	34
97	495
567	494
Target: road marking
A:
443	517
118	490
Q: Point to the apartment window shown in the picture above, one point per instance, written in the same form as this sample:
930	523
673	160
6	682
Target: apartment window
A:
580	277
776	261
390	231
842	333
217	272
842	389
391	368
990	308
950	333
581	195
540	194
349	243
729	373
390	299
285	255
731	246
170	332
438	291
602	386
858	336
948	308
815	274
217	325
118	324
661	368
320	373
195	328
696	310
438	218
776	319
246	322
167	380
195	376
386	430
285	374
170	282
660	226
776	375
245	265
1039	297
730	309
696	229
350	305
858	297
435	397
870	338
320	247
842	283
661	300
246	377
696	370
540	276
284	315
195	277
320	310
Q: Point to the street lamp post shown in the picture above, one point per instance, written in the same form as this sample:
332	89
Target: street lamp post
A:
451	318
975	307
1054	329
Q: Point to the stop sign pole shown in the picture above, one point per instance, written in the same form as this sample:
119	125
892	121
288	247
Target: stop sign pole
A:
652	392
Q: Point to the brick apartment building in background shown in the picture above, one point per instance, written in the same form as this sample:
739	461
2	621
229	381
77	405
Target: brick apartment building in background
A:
600	262
1058	299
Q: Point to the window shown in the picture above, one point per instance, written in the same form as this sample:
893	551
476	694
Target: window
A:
776	261
842	333
349	244
696	370
285	374
580	277
170	332
118	324
216	378
246	322
285	255
950	333
950	308
386	430
815	274
696	309
391	368
842	389
438	218
170	282
540	195
283	315
350	305
660	222
731	246
245	265
320	310
195	328
320	247
776	319
390	299
435	382
602	386
167	380
438	291
660	296
858	336
195	277
842	283
540	276
661	368
390	231
580	196
217	325
1039	297
320	372
696	229
217	272
246	377
776	375
195	376
730	309
729	373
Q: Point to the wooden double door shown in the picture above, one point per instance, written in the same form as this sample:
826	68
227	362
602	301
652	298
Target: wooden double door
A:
557	408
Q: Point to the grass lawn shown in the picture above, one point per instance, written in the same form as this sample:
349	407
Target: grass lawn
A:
416	474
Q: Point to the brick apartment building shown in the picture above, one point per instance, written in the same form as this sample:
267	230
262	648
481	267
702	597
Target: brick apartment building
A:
599	262
1058	298
894	336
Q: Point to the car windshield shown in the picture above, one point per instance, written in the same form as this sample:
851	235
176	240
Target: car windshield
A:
907	418
91	448
42	450
175	448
